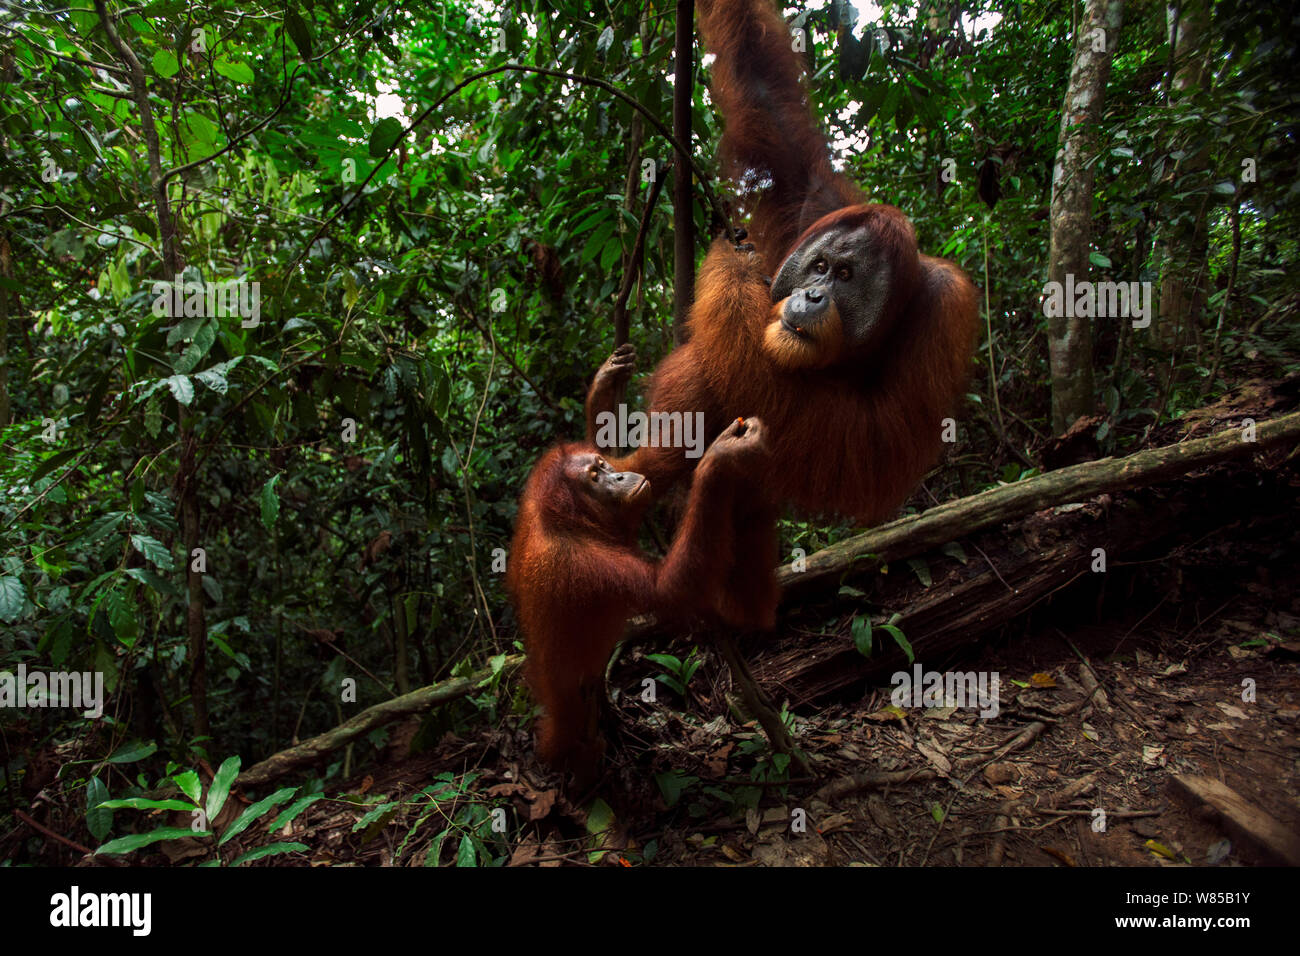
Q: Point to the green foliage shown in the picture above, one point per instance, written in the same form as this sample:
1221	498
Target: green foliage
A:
436	247
464	822
864	634
203	811
680	671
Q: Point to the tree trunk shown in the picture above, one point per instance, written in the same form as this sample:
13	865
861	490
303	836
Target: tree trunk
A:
1070	336
1184	244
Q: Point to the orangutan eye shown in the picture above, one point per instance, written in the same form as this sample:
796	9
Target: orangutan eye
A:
844	273
820	266
595	475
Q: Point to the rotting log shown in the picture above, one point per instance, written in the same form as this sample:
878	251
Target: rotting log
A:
967	608
416	702
951	520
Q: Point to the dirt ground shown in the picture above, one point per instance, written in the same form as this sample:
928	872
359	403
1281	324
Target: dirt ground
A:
1124	708
1078	767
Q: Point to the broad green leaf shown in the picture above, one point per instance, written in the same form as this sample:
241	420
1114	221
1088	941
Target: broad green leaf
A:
271	849
182	388
256	810
861	629
133	751
900	640
140	803
298	33
220	786
189	783
54	461
239	72
11	599
134	842
270	504
165	64
154	581
154	550
99	820
292	811
195	351
121	616
383	136
465	853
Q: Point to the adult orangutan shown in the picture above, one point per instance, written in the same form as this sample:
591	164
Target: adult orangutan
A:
852	353
576	575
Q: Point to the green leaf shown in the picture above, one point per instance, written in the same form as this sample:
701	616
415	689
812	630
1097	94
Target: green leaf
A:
133	751
199	133
99	820
256	810
182	388
134	842
596	241
295	808
220	787
673	684
154	550
861	629
189	783
102	527
12	599
465	853
185	329
270	504
141	803
668	661
922	570
215	378
298	33
954	550
121	616
612	253
54	461
195	351
271	849
239	72
379	812
165	64
672	785
154	581
435	849
900	640
386	132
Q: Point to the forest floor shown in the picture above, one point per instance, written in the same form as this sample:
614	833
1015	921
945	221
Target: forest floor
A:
1195	674
1115	699
1176	670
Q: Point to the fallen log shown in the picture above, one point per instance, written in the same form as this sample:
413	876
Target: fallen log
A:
1054	546
951	520
416	702
1241	818
954	616
964	603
